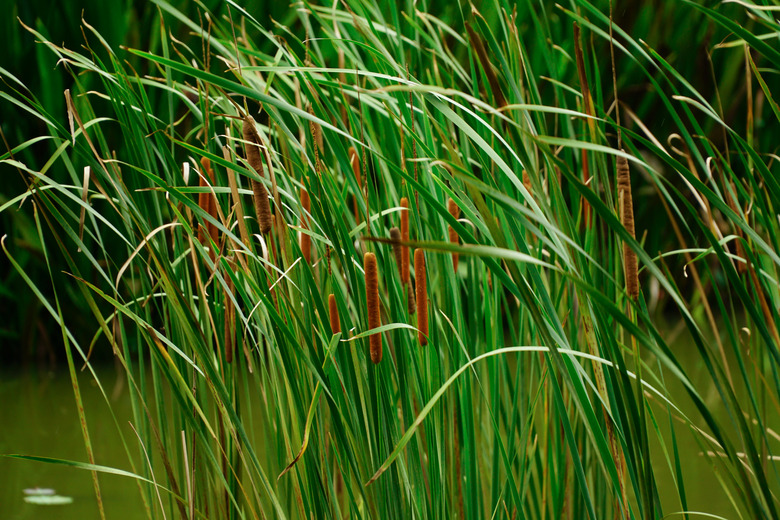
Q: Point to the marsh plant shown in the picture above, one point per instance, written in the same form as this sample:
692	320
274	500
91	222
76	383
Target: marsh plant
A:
407	261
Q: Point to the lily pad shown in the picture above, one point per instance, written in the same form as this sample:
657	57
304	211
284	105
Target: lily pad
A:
48	500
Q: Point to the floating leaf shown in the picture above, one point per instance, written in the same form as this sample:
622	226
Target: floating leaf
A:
48	500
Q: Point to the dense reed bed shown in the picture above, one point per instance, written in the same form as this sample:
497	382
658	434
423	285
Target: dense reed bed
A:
386	262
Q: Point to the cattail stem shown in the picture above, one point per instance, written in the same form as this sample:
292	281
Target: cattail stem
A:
372	300
588	107
630	263
305	237
422	296
335	322
395	234
405	238
354	160
454	210
253	157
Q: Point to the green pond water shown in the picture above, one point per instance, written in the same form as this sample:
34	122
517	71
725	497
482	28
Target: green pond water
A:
38	417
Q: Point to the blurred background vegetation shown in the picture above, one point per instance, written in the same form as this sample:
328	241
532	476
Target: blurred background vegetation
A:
26	333
683	36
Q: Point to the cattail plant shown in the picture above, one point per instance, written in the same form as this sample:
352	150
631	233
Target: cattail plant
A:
335	322
395	236
316	136
627	219
422	296
207	202
405	278
262	205
372	300
305	237
454	210
588	109
230	321
405	238
354	160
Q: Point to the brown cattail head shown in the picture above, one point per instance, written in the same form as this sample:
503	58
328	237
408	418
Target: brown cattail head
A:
335	323
395	236
627	219
253	157
230	326
454	210
354	160
262	206
206	201
204	197
372	300
405	238
411	299
305	238
422	296
316	136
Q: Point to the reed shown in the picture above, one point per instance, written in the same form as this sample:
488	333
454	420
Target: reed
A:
422	296
372	303
354	161
492	421
630	263
405	237
305	237
255	160
588	109
207	203
395	236
333	312
454	210
230	320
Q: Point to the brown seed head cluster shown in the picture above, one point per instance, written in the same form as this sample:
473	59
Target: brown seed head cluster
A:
372	300
422	296
405	237
627	219
207	202
254	158
354	160
335	322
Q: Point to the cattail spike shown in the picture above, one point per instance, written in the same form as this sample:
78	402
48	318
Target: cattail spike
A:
305	237
395	236
422	296
206	202
253	157
411	299
372	300
354	160
229	322
335	322
627	219
405	238
454	210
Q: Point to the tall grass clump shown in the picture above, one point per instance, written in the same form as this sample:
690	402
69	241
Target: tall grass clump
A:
540	159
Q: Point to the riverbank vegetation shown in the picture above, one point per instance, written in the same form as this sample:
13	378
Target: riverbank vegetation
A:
401	261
